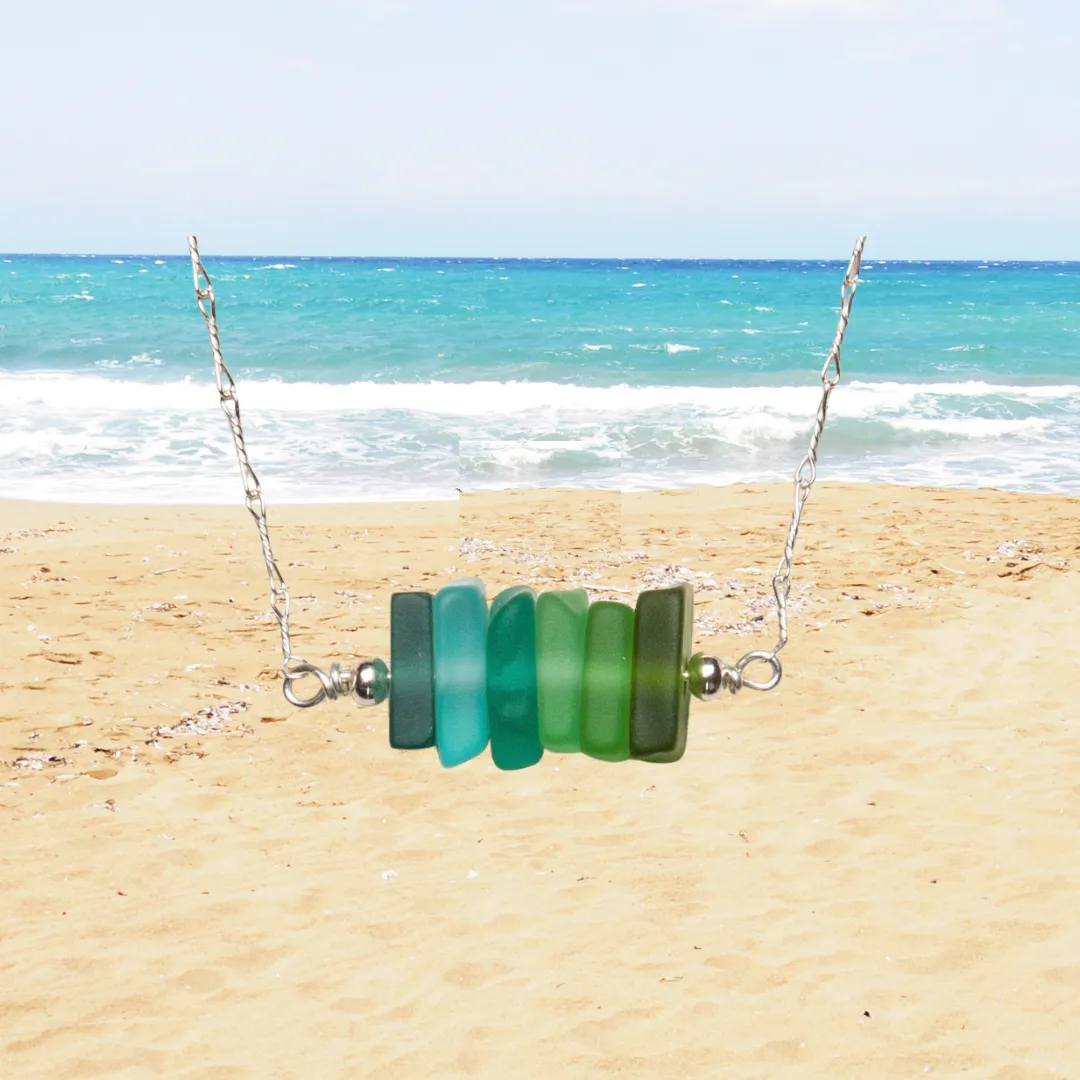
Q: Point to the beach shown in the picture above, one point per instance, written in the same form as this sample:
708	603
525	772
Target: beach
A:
871	871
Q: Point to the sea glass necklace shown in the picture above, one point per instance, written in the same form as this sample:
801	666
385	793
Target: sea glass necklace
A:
531	673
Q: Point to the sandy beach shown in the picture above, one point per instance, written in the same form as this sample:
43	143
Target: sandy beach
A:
870	872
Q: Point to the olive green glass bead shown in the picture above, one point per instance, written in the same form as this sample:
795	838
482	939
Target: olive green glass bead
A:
660	700
560	667
605	699
511	679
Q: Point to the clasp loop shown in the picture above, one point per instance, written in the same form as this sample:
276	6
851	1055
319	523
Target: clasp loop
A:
765	657
338	682
303	669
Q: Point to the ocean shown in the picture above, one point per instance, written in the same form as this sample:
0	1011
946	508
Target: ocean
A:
386	379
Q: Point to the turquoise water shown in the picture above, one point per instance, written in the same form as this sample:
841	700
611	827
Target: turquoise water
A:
405	378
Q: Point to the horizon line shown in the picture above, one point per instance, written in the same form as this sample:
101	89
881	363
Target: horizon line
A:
529	258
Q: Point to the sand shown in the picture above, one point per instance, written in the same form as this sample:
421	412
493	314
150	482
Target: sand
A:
871	872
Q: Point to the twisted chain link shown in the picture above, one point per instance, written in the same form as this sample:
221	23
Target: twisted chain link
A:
805	475
292	667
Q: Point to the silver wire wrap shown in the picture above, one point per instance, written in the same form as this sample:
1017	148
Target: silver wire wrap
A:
338	682
341	679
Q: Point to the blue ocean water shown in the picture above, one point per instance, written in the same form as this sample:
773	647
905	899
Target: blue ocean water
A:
365	379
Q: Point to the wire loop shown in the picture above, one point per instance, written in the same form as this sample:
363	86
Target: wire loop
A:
301	671
764	657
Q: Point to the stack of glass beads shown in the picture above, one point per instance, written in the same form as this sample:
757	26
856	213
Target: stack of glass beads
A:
538	673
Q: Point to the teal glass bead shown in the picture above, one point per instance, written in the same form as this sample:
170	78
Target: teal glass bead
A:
605	699
412	661
460	618
560	667
660	698
511	679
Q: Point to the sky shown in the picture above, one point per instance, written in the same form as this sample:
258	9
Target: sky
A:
543	128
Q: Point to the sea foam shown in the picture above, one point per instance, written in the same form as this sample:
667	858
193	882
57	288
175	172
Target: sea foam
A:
857	399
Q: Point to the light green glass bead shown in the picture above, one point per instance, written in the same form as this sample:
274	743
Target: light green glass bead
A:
560	667
609	663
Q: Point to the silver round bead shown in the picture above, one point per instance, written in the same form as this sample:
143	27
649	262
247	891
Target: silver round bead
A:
372	682
706	675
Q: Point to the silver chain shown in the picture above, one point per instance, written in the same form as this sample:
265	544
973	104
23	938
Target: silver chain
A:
338	681
292	667
805	475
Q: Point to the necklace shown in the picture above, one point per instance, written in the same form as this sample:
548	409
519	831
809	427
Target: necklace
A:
532	673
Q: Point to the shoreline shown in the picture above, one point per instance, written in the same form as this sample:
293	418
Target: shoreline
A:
539	491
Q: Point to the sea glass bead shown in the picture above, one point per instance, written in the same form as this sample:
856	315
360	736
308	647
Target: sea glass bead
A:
605	699
412	687
660	699
460	617
511	679
560	667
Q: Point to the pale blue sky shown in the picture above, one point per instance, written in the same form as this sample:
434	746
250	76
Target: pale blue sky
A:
698	128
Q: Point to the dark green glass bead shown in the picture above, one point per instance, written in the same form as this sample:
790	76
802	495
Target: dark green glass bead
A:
511	679
605	698
660	700
412	685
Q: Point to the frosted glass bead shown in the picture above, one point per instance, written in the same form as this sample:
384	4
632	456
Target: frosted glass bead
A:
560	667
511	679
460	648
660	700
412	663
609	662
